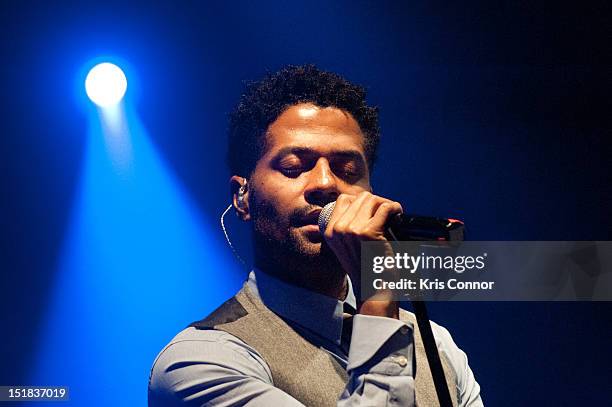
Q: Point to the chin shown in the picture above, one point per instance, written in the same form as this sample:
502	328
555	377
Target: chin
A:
306	246
312	249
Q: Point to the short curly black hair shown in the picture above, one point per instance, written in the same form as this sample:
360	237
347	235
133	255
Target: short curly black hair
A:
263	101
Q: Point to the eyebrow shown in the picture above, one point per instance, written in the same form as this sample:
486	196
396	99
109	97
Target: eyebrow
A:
347	154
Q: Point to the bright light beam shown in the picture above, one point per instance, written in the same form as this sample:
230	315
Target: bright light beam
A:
138	263
105	84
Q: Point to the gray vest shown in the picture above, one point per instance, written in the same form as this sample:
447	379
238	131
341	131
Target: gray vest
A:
306	372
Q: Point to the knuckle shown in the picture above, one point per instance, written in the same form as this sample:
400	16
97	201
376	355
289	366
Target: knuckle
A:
352	230
339	228
343	198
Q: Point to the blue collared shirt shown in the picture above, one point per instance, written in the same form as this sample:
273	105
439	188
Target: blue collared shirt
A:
214	368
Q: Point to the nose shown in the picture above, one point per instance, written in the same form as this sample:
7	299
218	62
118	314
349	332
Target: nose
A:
322	187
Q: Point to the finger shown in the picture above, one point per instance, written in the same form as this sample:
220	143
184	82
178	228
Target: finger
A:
384	212
369	208
348	218
342	203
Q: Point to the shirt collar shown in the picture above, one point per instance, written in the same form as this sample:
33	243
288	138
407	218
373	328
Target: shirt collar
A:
316	312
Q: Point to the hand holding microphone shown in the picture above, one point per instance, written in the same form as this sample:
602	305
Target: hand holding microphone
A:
404	227
352	219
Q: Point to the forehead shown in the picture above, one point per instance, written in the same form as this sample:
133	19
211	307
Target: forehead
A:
321	129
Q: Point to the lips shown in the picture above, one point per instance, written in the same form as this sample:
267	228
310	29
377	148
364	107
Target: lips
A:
311	219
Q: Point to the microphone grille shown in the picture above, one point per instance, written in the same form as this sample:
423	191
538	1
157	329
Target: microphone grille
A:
325	215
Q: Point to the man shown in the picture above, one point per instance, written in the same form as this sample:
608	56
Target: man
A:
299	139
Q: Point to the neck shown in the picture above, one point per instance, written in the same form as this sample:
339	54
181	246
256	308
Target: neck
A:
329	282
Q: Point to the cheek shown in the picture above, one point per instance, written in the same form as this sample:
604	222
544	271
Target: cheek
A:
282	191
272	202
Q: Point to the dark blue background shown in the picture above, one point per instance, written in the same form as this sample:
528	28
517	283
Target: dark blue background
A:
497	114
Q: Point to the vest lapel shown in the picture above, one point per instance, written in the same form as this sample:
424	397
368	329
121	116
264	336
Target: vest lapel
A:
299	368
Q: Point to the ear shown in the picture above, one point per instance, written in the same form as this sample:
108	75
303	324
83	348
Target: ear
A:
242	210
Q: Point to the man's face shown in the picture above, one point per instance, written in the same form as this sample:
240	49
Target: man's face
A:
313	154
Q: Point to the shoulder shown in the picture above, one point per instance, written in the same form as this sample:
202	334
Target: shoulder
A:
206	345
203	355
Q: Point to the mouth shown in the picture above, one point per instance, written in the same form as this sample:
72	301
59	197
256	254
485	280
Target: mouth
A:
309	225
312	233
312	218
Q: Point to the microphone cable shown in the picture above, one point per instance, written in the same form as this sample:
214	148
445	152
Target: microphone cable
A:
227	239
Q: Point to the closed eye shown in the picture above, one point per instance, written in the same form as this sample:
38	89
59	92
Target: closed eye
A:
348	171
292	172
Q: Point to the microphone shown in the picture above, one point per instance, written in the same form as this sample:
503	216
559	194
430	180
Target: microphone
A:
410	227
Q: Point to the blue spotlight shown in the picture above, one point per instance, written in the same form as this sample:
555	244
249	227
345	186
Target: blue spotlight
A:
105	84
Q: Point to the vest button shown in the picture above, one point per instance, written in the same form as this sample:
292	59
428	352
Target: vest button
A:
404	330
401	360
